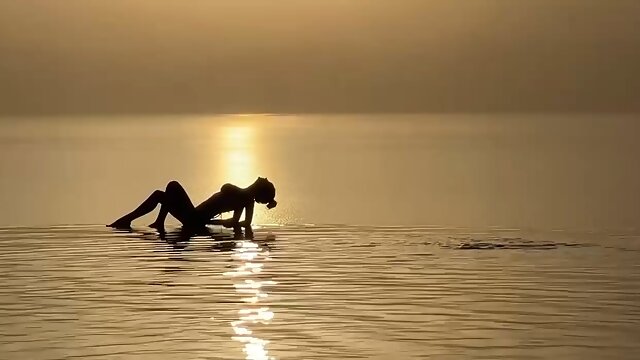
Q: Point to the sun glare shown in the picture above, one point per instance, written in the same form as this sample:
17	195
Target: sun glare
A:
238	157
239	154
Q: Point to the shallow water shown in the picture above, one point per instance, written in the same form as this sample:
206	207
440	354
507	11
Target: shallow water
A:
319	292
467	289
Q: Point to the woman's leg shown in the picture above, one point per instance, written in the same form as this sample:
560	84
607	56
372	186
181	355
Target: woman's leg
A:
177	203
146	207
174	200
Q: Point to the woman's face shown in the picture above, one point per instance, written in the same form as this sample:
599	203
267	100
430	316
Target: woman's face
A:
265	193
270	201
262	199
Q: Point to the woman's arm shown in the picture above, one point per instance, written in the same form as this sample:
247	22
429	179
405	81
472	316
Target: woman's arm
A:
235	222
248	218
248	215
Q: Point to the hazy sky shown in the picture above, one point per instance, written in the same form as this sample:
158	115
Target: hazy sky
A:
114	56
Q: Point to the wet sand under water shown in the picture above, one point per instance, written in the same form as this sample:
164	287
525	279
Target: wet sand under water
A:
319	292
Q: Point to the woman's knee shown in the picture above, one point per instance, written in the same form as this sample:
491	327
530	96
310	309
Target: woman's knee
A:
177	196
158	195
173	185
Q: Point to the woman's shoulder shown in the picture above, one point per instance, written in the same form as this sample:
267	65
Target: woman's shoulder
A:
229	188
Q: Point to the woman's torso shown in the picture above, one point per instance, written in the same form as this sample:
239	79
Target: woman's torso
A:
230	198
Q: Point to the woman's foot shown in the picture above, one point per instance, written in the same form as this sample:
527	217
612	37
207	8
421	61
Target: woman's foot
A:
121	223
158	226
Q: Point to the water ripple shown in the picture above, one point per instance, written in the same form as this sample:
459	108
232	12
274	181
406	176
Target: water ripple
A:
318	292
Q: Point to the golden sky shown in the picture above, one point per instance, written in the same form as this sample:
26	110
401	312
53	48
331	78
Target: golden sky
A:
297	56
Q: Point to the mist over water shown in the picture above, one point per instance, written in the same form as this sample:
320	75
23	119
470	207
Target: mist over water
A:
291	56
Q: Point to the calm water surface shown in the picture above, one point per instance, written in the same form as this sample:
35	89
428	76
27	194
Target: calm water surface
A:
535	254
319	292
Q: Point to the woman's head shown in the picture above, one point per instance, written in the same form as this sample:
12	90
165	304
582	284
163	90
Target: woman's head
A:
265	192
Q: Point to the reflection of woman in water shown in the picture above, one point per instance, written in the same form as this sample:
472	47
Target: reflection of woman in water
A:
175	201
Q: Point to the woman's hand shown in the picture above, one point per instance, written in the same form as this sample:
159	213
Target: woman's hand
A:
237	227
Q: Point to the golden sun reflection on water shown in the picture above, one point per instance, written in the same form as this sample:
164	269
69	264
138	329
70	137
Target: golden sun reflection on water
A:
238	166
251	259
239	157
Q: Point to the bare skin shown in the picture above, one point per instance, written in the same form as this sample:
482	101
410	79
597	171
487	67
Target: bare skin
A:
175	201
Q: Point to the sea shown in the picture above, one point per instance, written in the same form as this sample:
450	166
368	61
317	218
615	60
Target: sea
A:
396	236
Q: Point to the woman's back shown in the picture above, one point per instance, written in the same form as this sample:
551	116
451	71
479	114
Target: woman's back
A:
229	198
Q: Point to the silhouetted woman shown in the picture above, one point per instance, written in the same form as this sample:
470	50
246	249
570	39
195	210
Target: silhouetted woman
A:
175	201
